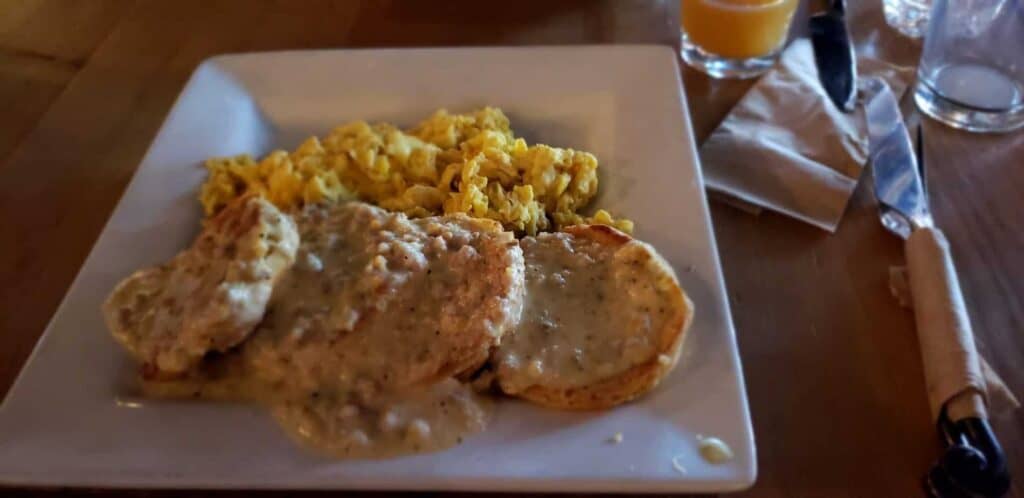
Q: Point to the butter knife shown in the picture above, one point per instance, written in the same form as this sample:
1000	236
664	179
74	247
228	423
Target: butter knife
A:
973	463
834	55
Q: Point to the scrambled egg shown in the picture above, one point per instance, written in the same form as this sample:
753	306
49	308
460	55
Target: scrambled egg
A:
450	163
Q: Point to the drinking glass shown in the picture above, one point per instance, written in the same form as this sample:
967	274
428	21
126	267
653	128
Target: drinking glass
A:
971	74
734	38
909	17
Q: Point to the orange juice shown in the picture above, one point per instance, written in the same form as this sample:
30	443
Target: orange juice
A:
737	29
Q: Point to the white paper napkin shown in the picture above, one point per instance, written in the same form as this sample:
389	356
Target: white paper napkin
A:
998	396
787	148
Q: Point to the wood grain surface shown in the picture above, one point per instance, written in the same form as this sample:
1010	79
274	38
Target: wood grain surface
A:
832	364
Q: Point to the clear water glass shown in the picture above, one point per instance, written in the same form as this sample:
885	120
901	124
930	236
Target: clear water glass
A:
909	17
971	74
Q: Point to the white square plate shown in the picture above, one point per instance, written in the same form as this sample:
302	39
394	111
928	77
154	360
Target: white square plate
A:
72	419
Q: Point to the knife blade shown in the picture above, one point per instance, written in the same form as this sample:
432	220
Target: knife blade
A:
834	55
898	184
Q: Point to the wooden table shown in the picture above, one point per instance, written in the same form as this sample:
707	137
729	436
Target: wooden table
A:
831	362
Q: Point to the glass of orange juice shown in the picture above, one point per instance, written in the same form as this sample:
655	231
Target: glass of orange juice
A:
734	38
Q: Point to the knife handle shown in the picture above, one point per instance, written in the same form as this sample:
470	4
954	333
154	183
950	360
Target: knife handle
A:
951	368
973	463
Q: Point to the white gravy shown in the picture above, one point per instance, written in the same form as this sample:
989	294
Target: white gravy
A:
589	315
362	336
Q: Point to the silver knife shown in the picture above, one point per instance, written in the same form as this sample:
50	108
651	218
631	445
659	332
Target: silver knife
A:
973	463
834	55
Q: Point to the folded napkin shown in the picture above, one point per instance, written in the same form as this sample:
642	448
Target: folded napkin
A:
787	148
951	382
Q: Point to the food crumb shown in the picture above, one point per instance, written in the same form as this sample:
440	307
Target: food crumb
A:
714	450
616	438
419	430
536	368
388	421
359	438
678	465
664	360
313	262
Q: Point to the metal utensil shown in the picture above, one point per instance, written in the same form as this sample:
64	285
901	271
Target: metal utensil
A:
834	55
973	463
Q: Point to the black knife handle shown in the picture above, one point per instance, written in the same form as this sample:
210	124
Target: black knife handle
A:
973	464
829	7
833	54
